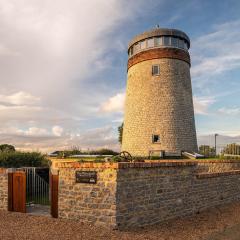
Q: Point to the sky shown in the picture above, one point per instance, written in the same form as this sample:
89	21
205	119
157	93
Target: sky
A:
63	68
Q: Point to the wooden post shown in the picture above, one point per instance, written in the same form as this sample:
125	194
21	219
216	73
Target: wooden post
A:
19	192
10	191
54	195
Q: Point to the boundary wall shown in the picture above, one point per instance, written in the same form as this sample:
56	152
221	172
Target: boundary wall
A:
139	194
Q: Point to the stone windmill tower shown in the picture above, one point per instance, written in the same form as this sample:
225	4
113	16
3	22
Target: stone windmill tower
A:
159	112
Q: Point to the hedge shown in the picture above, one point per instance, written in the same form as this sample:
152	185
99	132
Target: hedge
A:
22	159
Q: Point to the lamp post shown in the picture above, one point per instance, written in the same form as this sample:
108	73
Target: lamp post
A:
215	138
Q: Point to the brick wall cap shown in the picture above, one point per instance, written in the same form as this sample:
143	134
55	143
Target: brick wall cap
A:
124	165
3	170
219	161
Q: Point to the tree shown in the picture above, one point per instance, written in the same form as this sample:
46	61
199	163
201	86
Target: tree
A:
120	133
232	148
207	150
7	148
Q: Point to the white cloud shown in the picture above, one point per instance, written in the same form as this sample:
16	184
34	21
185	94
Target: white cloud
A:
48	52
114	104
41	139
229	111
35	131
202	104
19	98
57	131
215	53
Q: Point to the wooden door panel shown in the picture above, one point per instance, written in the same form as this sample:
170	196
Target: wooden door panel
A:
19	192
54	195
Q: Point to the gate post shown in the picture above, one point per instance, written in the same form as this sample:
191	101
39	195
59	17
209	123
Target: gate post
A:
16	191
54	192
10	189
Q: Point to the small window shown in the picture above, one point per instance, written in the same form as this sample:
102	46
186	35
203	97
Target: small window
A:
181	43
131	51
142	44
155	138
136	47
185	45
155	70
150	42
174	42
158	41
166	41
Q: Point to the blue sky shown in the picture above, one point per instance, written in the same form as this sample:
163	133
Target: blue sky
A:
63	67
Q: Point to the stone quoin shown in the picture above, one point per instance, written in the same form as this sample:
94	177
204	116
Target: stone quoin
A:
159	113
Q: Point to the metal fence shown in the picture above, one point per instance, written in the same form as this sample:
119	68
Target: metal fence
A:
37	187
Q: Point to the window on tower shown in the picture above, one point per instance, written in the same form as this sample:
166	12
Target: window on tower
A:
150	42
155	70
158	41
166	41
143	44
174	42
155	138
181	43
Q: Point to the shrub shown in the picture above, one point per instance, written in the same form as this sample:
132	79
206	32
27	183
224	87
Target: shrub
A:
23	159
7	148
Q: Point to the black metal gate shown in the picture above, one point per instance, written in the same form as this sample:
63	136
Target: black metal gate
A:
37	186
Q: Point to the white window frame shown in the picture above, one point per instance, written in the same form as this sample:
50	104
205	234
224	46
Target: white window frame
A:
153	66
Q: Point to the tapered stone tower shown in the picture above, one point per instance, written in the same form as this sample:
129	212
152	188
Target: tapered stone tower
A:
159	112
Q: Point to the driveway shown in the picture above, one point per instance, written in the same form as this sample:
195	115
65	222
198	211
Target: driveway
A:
215	224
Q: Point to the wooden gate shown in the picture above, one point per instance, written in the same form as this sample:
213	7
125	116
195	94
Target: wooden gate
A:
17	191
54	195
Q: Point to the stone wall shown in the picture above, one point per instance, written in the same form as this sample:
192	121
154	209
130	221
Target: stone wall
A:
150	195
3	189
218	165
94	203
140	194
159	105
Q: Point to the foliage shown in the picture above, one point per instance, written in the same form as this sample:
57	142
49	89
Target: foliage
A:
22	159
103	151
120	133
232	148
68	153
230	157
7	148
207	150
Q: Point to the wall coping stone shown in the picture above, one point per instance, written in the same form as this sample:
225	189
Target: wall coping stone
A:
217	174
3	170
219	161
124	165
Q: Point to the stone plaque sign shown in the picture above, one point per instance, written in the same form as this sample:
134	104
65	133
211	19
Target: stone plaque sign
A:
86	177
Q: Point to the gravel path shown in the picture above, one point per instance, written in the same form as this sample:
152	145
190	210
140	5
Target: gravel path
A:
201	226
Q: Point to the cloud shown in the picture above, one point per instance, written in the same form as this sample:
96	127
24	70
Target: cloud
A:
202	104
19	98
34	131
57	131
114	104
40	139
229	111
53	54
215	53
